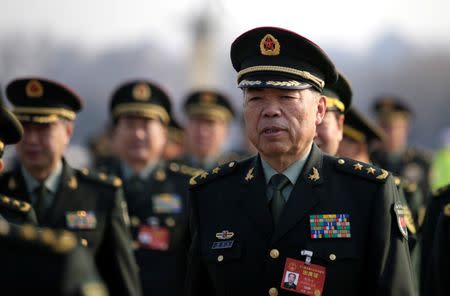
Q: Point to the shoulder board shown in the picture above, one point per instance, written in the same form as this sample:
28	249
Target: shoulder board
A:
57	241
213	174
15	204
362	169
101	177
441	191
184	169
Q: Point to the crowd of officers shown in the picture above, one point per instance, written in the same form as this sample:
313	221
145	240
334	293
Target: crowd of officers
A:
166	211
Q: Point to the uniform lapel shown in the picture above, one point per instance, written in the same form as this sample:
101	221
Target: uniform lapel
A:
65	194
305	195
254	197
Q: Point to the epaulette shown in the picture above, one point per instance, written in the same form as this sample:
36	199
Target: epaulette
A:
362	169
441	191
101	177
15	204
184	169
61	241
213	174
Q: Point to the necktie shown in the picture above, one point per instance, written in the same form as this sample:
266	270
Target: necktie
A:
41	193
277	202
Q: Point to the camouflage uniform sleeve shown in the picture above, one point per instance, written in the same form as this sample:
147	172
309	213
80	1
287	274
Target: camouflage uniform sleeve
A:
389	258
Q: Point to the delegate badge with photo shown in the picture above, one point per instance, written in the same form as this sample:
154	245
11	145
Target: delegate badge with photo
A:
154	238
303	278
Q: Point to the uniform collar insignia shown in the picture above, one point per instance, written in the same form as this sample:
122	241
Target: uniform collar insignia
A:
315	176
12	184
72	183
160	175
249	175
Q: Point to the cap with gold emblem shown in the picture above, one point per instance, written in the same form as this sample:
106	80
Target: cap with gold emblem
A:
386	107
10	129
210	104
339	95
277	58
42	101
141	98
359	128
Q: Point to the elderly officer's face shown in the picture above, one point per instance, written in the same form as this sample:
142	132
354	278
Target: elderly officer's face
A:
43	145
205	136
139	140
329	132
282	123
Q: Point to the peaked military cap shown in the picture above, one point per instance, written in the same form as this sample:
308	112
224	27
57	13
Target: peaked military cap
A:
175	131
339	95
391	106
10	129
210	104
360	128
141	98
42	101
278	58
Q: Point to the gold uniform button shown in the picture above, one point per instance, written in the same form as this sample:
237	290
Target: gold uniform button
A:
274	253
170	222
220	258
332	257
273	292
341	161
84	242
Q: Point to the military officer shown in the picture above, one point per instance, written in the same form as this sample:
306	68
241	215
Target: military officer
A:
411	164
329	132
435	245
90	205
46	262
156	191
174	148
209	115
336	222
11	209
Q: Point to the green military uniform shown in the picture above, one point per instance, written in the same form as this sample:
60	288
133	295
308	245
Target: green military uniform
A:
156	197
90	205
41	261
342	227
435	245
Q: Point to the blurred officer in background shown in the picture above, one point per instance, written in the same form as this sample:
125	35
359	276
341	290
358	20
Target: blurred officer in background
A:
155	190
209	114
174	148
411	164
329	132
89	205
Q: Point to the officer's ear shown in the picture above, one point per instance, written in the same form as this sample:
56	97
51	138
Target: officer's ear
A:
321	109
2	166
68	125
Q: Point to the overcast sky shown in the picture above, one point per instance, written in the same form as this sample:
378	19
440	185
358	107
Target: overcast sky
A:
352	24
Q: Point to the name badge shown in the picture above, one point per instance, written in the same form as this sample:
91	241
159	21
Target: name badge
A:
81	220
222	244
302	278
154	238
330	226
166	203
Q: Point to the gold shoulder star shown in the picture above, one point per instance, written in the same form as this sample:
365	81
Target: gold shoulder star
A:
358	166
370	170
216	170
204	175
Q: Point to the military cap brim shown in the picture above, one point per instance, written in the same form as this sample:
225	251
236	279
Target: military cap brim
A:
41	100
277	58
388	106
11	130
209	103
339	95
360	128
141	98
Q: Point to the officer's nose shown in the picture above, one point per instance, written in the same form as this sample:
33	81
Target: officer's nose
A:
272	109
